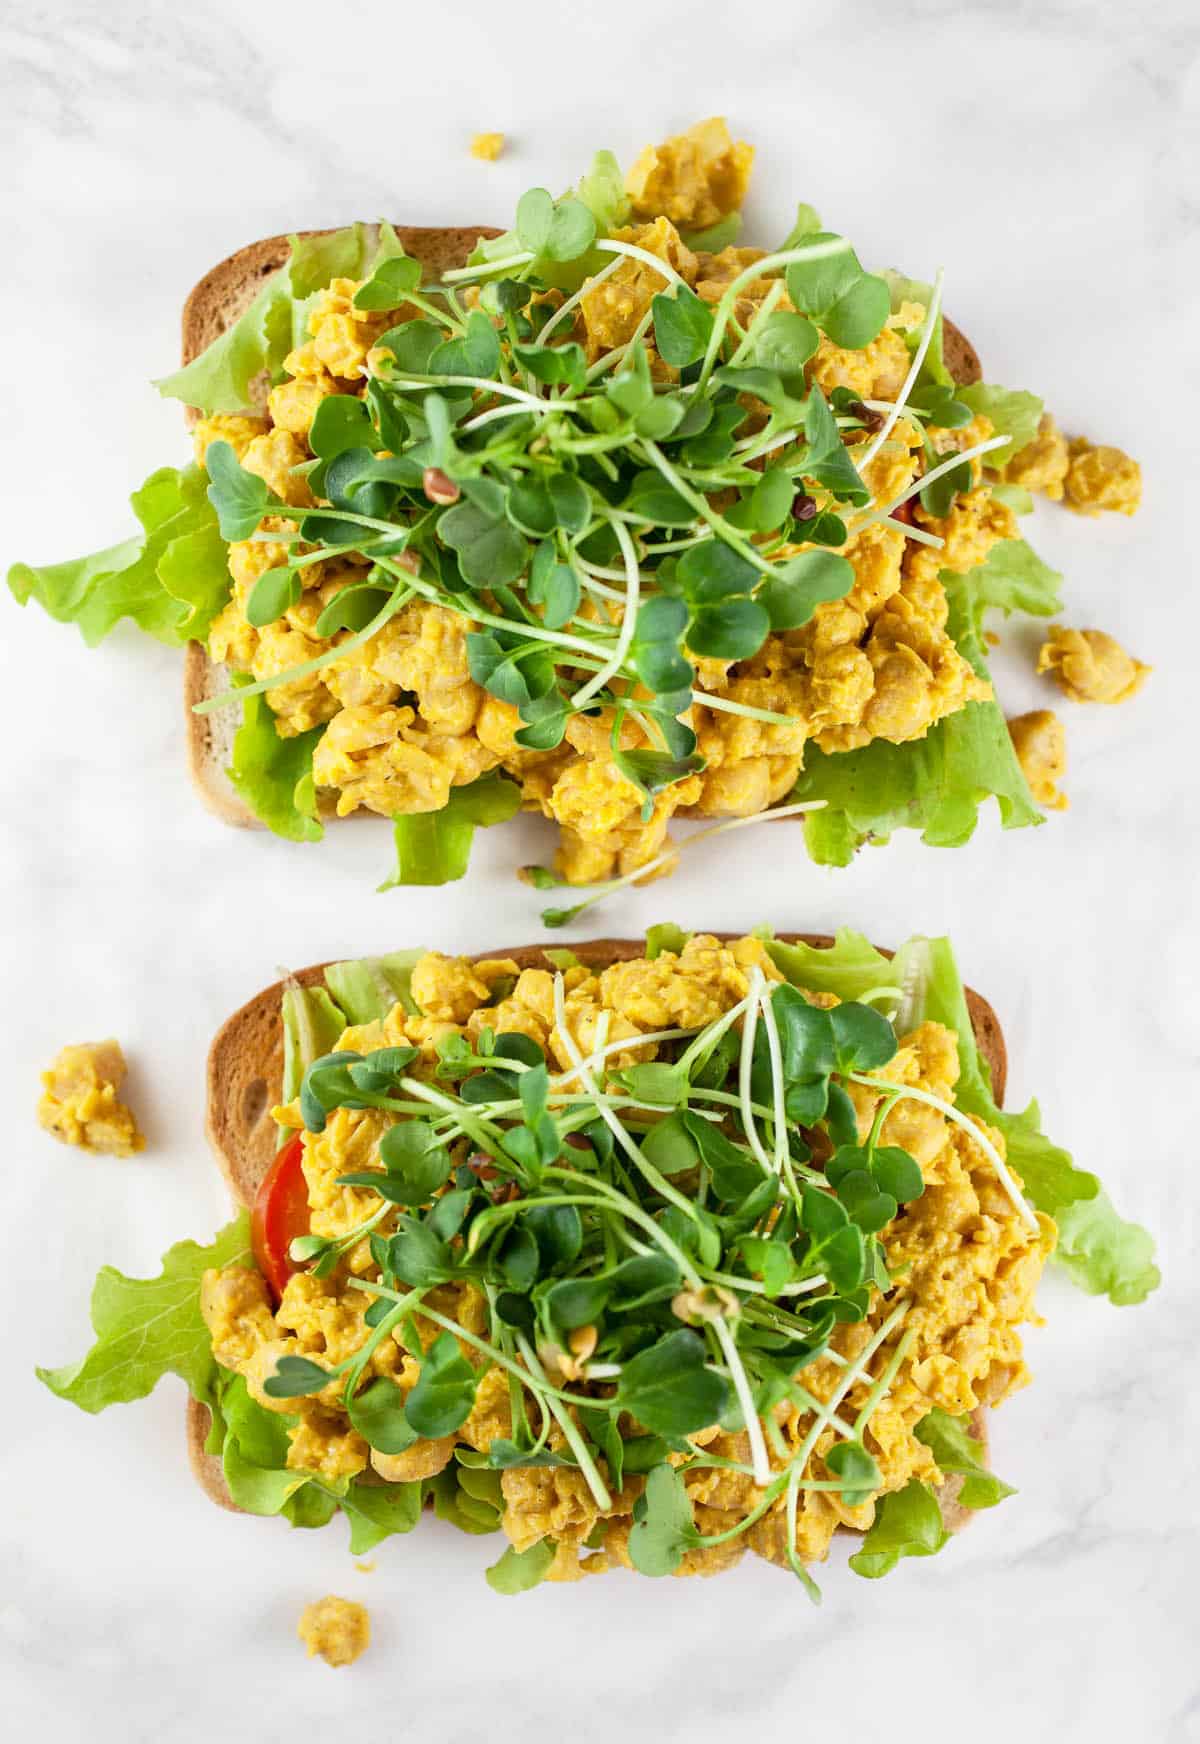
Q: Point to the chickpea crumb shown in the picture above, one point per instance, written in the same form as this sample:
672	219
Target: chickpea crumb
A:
80	1105
487	146
337	1629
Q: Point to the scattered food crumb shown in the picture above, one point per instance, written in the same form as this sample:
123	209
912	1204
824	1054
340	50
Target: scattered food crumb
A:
991	638
1090	666
1100	477
79	1104
365	1567
487	146
1041	747
337	1629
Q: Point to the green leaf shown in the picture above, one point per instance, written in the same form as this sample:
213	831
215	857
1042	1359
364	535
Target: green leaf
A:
861	1477
908	1522
389	283
1105	1255
1012	578
367	988
766	505
558	1231
1013	412
490	551
445	1391
935	784
379	1416
663	1528
556	230
148	1327
434	847
862	1037
652	499
784	342
799	586
732	630
723	234
553	586
273	776
222	377
816	283
859	313
956	1450
850	967
171	580
666	936
556	365
477	352
240	498
807	225
295	1378
312	1026
683	324
602	191
519	1571
416	1163
379	1511
713	571
669	1389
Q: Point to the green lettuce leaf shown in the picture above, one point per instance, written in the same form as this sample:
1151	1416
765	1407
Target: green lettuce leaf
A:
1012	578
850	967
433	847
312	1024
253	1445
171	580
1097	1249
905	290
1013	412
935	784
367	988
1105	1255
908	1522
602	191
273	776
221	379
379	1511
723	234
956	1450
148	1327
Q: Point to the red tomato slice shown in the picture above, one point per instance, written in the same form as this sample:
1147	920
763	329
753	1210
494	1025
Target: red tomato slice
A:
280	1212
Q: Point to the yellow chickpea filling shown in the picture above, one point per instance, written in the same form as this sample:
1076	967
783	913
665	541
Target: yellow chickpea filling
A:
969	1260
406	723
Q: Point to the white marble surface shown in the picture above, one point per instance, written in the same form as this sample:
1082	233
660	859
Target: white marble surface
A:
1045	153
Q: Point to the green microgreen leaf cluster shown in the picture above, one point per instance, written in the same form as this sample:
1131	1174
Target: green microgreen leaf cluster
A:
661	1246
574	518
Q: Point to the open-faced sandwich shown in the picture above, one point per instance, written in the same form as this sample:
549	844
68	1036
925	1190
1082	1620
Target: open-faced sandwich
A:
608	517
646	1254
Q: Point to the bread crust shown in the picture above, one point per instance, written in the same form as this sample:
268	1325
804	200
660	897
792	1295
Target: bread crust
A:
224	294
245	1078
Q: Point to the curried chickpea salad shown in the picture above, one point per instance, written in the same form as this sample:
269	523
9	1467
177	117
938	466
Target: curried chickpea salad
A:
622	521
643	1259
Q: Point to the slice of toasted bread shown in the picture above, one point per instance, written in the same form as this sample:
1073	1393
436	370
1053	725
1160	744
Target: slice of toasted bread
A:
215	304
245	1078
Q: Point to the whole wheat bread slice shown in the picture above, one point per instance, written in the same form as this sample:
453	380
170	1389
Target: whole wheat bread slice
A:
245	1079
215	304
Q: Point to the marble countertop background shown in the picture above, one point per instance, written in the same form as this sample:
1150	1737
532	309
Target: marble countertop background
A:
1045	153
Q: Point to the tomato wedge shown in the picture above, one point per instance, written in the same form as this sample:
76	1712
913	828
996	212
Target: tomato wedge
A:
279	1213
